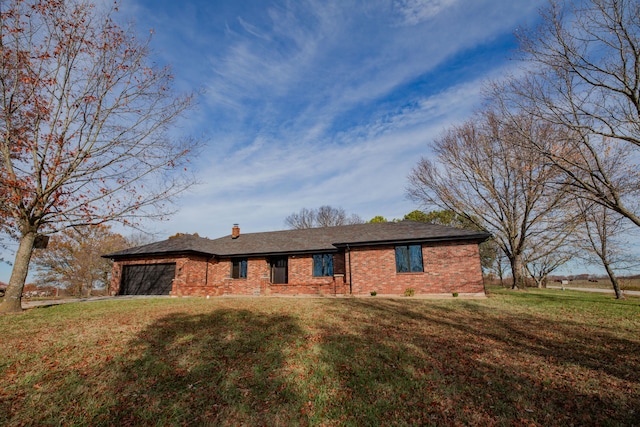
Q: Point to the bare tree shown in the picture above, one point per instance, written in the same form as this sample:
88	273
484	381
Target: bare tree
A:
601	240
545	261
481	173
501	266
324	216
327	216
584	75
85	126
306	218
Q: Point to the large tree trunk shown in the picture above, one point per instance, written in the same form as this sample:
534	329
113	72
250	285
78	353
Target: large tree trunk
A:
12	302
614	281
541	282
517	271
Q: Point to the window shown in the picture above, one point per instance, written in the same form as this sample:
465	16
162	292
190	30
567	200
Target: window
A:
322	265
279	270
409	259
239	268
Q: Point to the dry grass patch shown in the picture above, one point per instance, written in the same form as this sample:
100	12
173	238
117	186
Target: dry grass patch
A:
518	358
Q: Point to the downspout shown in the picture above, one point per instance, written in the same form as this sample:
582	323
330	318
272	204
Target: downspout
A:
350	276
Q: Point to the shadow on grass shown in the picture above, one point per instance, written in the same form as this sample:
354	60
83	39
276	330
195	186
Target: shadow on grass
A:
341	362
409	363
223	367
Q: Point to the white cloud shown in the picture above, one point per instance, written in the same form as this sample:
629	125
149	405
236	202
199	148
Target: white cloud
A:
364	170
316	61
417	11
253	30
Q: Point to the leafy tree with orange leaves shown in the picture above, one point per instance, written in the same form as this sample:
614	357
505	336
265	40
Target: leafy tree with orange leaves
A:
84	126
73	259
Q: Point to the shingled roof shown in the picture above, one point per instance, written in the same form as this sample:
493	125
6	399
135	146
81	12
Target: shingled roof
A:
311	240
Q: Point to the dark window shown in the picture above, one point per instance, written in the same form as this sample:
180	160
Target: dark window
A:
239	268
323	265
279	270
409	259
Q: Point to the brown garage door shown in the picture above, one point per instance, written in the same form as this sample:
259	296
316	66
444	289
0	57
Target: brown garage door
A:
147	279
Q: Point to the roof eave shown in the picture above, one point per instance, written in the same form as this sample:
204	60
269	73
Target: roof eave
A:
116	256
480	237
278	253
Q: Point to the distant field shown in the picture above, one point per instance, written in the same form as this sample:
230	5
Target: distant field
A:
536	357
628	284
625	284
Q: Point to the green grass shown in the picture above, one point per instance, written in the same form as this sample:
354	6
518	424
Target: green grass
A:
540	357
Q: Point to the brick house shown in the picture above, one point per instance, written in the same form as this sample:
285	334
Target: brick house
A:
345	260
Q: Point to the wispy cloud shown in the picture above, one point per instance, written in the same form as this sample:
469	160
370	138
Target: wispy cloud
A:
316	102
362	169
324	101
417	11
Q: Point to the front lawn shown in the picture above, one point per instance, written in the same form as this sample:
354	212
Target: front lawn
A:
540	357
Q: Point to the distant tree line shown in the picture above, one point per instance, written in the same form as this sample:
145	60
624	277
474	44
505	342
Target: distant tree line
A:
324	216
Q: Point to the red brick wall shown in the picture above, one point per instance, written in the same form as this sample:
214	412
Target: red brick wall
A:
302	281
255	283
258	281
449	267
200	276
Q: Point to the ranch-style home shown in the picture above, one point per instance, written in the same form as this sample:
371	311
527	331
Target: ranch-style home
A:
387	258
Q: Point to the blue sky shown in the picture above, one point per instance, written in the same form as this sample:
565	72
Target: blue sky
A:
319	102
310	103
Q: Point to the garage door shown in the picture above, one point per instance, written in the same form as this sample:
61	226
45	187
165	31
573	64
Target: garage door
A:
147	279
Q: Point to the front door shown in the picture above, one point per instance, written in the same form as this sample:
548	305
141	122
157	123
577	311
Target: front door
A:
279	270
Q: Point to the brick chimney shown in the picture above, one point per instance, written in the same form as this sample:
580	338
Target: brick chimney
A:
235	231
